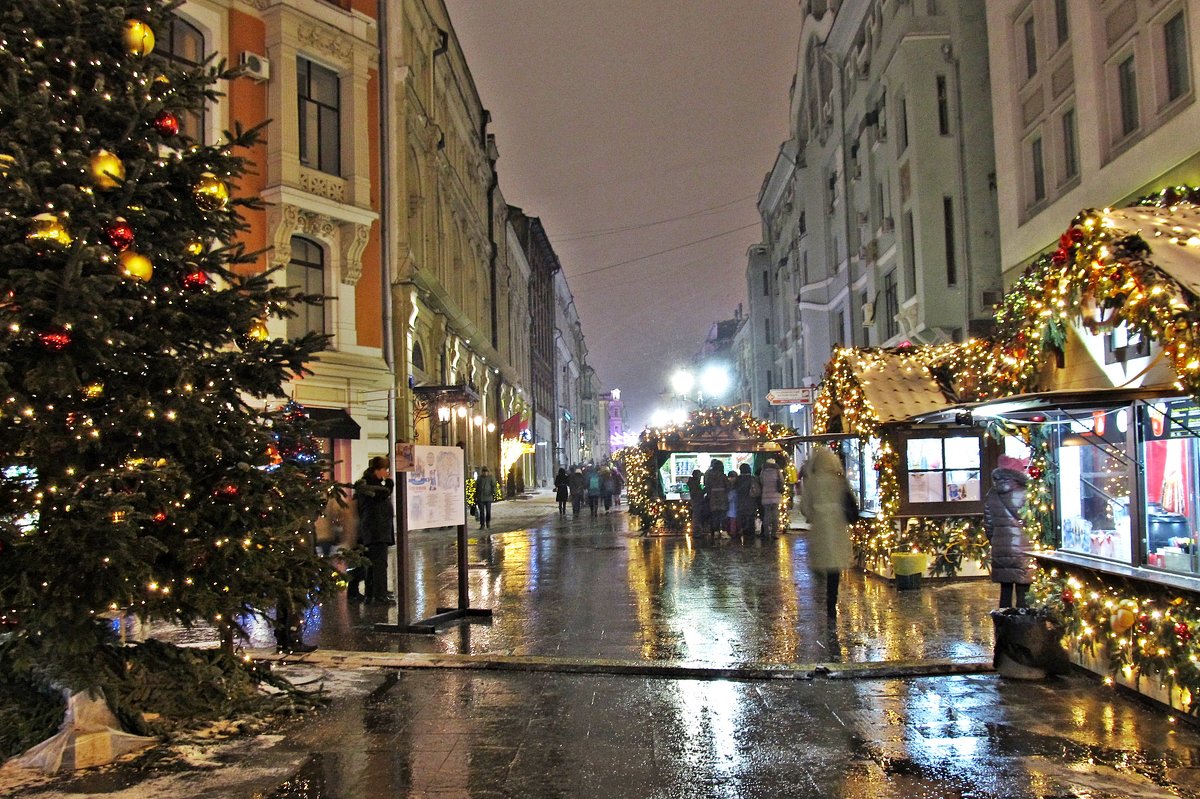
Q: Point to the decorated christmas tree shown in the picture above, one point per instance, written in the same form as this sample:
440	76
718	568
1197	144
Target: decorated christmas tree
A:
148	461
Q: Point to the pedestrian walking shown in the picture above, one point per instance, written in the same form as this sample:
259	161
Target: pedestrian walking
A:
697	502
716	489
731	510
618	485
827	503
606	488
1012	566
594	486
376	523
562	490
770	494
747	500
485	495
578	490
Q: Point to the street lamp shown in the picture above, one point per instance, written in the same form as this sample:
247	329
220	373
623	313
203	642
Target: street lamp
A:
682	382
714	381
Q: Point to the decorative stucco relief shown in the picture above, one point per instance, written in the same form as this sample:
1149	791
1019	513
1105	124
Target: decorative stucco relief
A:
330	187
324	42
354	241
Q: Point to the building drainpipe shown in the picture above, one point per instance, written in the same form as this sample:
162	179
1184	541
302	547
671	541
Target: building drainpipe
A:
493	278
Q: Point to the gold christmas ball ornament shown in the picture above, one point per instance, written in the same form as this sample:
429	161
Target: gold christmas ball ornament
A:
136	265
210	192
93	390
107	170
139	38
258	331
195	248
47	229
7	162
1123	616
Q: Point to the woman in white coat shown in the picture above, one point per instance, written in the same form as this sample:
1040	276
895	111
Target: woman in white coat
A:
825	501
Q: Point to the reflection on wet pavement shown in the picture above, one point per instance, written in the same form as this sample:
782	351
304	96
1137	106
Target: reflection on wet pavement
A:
593	588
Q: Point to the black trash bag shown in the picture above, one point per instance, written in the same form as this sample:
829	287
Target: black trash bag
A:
1028	643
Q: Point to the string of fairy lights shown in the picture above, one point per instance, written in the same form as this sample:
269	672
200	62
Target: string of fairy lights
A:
1101	273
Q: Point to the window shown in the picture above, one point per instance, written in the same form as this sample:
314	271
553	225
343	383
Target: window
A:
418	357
306	273
943	106
951	249
320	138
1171	458
891	305
1127	98
1093	482
767	328
1070	145
1037	165
839	328
185	45
766	283
910	252
1030	33
902	122
1175	51
1061	22
943	469
802	224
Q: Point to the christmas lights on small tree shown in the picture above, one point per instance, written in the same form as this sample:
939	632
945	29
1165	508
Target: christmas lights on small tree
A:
146	462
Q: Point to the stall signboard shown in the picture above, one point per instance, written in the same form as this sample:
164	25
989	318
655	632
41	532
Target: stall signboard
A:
435	489
1172	420
791	396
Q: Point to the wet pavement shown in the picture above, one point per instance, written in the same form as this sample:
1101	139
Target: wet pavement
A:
533	705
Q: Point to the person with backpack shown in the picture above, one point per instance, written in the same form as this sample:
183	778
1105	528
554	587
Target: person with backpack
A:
595	484
770	494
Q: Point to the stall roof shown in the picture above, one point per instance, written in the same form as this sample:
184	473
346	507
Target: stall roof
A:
896	384
1173	234
1004	407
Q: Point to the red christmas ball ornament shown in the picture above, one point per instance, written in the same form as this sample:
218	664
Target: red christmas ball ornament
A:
1143	623
195	280
1064	242
1182	632
56	339
878	466
1060	257
1075	234
159	517
1035	472
166	123
118	234
227	491
1068	597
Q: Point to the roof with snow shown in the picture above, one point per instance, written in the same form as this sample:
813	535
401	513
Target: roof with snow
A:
1173	234
896	384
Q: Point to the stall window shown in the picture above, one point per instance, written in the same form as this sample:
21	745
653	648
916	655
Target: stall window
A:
1094	483
860	458
1171	453
943	469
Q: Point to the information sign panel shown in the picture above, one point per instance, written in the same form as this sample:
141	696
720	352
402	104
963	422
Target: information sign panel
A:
436	495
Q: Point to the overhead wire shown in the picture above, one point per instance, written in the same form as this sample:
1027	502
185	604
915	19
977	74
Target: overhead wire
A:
589	234
663	252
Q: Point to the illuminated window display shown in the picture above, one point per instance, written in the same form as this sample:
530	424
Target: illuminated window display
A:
943	469
676	470
1170	452
1093	482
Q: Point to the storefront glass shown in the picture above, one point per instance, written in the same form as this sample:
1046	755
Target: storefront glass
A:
861	457
1094	485
1170	454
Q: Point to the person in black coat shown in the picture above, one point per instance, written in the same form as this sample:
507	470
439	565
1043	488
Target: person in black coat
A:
1011	564
562	490
376	522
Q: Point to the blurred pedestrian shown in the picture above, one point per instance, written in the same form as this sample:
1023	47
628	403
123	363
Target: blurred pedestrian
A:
594	485
826	503
731	511
376	523
562	490
578	489
747	500
485	495
618	485
697	502
606	488
770	494
717	490
1012	566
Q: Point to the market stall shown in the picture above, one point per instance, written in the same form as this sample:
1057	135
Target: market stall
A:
1103	335
658	468
921	484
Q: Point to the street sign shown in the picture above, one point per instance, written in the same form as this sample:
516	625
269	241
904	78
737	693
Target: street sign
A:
791	396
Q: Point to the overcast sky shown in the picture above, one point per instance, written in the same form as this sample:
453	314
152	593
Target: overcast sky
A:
634	127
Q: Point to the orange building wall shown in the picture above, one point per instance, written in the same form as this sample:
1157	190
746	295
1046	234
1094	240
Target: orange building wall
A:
248	105
368	300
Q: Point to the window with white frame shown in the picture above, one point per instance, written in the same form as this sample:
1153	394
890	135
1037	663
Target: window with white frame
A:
1070	145
1029	45
1176	60
318	92
306	274
1062	22
1037	171
1127	96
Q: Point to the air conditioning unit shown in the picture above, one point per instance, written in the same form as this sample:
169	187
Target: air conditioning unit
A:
255	66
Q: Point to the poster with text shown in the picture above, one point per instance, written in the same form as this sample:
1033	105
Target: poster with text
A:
437	496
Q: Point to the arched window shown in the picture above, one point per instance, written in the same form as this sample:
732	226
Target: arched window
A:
418	357
185	45
306	273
